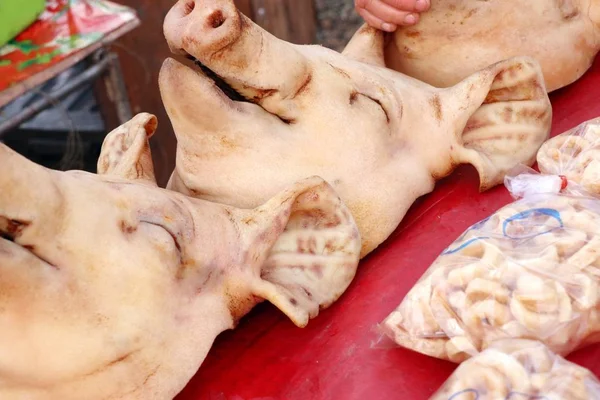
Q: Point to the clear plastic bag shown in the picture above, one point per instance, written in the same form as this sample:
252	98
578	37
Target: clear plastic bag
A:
574	154
517	369
531	270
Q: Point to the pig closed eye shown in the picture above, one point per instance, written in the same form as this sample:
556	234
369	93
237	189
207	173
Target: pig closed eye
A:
173	237
354	96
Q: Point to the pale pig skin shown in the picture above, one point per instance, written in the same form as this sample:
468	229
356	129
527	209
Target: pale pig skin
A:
380	138
455	38
112	288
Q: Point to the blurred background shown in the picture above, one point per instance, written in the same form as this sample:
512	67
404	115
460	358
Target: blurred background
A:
73	70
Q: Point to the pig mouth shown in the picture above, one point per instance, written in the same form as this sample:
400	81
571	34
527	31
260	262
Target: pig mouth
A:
227	90
224	87
10	231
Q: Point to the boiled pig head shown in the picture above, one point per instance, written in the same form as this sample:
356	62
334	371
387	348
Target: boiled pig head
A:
112	288
259	113
455	38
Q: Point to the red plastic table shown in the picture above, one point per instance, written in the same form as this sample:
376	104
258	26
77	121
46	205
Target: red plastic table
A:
333	358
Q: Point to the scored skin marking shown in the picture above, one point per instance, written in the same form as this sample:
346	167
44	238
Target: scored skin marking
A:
309	245
437	107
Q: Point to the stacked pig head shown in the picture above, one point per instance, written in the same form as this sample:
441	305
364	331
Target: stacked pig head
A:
455	38
112	288
257	113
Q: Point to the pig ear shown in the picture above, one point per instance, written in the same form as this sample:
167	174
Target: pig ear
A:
126	151
308	247
367	45
507	117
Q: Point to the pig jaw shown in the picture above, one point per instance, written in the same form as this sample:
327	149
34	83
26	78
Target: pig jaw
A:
196	335
138	376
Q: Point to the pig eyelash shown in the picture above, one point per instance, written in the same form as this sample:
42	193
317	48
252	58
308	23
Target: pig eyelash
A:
387	117
354	95
173	236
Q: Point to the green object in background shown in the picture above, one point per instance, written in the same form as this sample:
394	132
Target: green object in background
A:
16	15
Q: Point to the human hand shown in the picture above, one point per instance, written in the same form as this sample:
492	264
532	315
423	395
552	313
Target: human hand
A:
387	15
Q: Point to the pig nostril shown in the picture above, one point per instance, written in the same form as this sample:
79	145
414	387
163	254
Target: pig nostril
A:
216	19
189	7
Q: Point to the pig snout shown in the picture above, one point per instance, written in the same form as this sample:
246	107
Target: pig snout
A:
202	26
244	55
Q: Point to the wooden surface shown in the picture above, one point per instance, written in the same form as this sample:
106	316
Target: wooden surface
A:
290	20
245	6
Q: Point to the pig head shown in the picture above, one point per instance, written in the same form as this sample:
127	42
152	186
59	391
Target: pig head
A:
112	288
455	38
258	113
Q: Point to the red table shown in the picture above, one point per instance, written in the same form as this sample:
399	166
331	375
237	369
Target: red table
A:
268	358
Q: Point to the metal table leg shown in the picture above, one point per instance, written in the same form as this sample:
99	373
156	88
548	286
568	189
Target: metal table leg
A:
106	65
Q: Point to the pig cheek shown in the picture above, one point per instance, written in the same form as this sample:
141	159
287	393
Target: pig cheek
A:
368	131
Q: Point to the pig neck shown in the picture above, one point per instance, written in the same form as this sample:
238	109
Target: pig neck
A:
222	289
199	321
203	320
436	143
